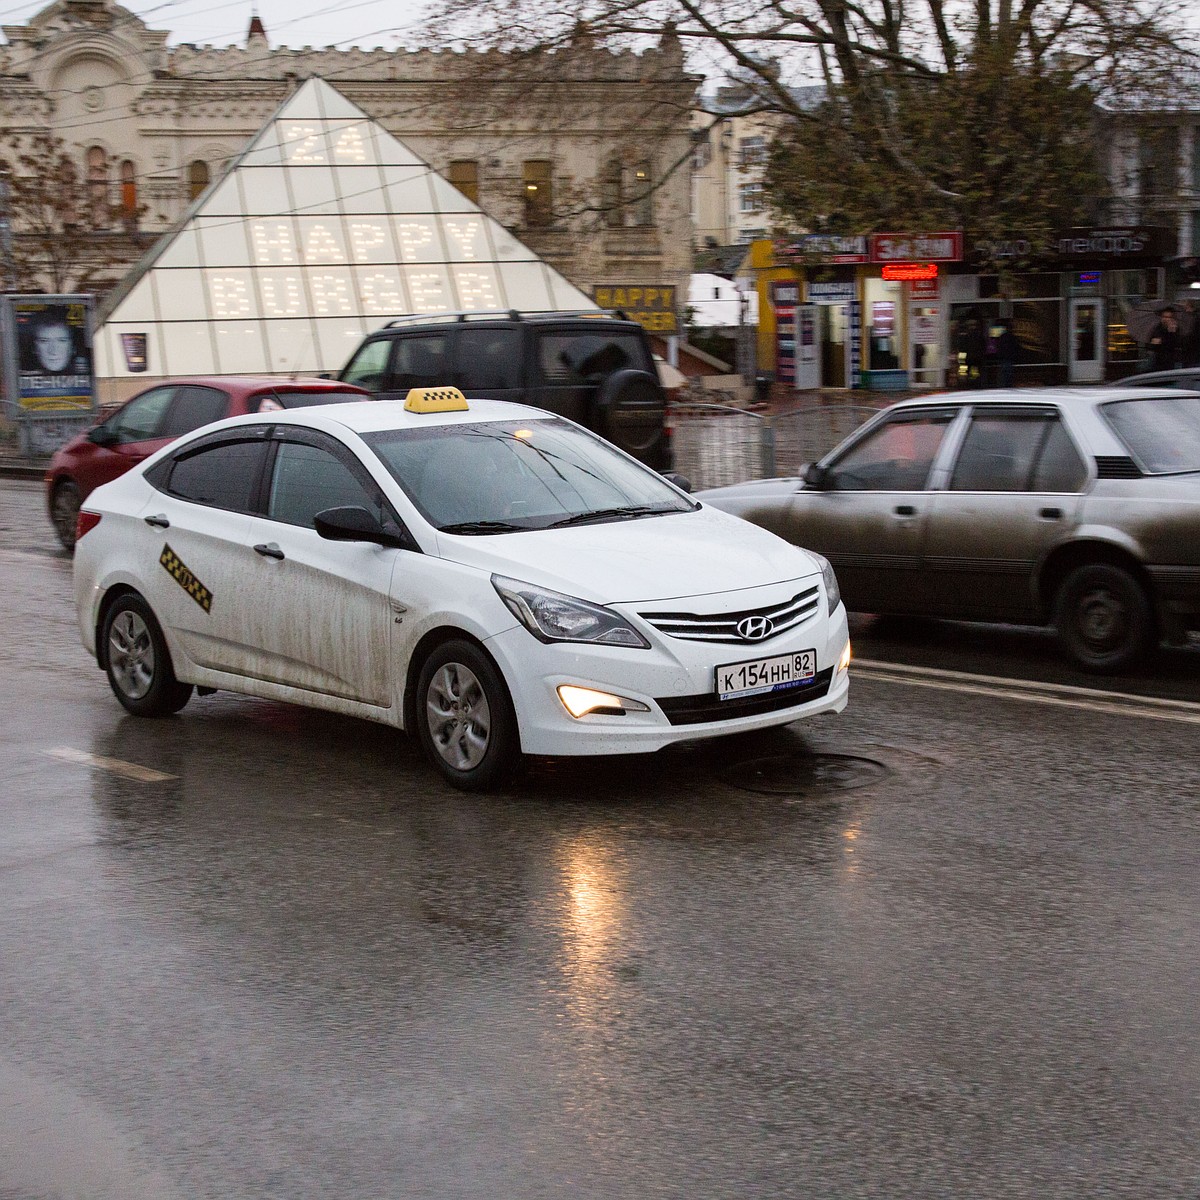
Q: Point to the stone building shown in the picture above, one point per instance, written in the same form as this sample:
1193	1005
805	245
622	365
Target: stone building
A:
583	154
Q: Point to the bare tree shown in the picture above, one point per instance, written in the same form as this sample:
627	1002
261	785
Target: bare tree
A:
64	234
976	112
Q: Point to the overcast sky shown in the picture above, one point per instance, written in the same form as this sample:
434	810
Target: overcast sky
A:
288	22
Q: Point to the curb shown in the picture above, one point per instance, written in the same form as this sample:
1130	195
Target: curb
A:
16	468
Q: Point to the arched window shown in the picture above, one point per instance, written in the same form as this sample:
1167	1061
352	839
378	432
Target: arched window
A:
129	195
197	178
97	186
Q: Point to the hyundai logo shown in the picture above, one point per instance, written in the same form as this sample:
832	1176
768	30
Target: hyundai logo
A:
754	629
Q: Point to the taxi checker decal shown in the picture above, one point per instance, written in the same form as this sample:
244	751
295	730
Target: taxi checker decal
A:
185	578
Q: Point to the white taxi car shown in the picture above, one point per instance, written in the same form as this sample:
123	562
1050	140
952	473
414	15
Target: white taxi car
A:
494	577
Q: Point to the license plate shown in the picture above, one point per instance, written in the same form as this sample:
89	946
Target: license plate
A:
760	675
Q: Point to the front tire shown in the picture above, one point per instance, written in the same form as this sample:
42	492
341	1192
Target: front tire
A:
137	662
64	512
465	717
1104	618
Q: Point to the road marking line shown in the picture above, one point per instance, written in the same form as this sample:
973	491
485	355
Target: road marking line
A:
1056	694
115	765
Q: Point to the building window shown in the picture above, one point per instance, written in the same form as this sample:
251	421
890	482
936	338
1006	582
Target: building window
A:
198	178
464	174
753	152
642	194
129	195
97	186
612	192
751	197
539	192
1158	159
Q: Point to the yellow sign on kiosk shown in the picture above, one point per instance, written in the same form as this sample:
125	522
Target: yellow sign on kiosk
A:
435	399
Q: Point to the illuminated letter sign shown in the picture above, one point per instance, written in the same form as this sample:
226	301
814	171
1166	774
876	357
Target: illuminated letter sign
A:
909	272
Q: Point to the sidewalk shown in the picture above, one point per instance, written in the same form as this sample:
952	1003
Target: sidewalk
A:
20	466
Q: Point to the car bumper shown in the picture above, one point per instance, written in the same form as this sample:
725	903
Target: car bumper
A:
675	683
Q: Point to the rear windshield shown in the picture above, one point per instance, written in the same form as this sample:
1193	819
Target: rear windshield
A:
1162	433
274	400
582	357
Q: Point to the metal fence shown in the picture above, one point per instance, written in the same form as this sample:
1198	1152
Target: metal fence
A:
718	444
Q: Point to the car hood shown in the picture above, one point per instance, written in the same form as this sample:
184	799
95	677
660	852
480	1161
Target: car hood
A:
651	558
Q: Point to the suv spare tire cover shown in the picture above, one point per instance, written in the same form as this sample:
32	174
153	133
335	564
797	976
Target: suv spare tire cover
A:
630	411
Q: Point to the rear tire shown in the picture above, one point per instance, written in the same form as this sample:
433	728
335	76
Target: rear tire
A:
137	662
1104	618
465	717
64	512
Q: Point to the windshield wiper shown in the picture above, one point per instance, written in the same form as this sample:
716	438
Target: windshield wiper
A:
612	514
481	527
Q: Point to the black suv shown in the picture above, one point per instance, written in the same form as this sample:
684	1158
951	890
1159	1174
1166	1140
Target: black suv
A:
594	368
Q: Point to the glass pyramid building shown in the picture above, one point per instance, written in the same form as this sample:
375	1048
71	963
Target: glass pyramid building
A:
323	229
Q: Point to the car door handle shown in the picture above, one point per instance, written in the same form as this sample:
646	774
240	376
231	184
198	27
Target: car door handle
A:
158	521
269	550
1050	514
905	510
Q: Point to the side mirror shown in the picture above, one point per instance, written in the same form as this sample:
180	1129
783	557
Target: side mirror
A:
102	435
816	476
682	482
352	523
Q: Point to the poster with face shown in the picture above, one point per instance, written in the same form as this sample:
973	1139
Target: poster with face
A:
54	353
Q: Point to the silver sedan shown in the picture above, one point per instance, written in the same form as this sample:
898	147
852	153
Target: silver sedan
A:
1073	507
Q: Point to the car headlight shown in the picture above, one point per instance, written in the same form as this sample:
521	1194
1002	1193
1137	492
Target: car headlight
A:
832	591
553	617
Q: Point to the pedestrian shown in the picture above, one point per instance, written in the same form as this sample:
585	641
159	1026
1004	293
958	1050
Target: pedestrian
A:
972	352
1189	335
1164	341
1003	348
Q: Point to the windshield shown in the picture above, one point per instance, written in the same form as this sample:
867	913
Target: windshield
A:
1162	432
505	476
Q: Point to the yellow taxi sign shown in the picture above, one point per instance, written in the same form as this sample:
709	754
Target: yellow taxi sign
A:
435	399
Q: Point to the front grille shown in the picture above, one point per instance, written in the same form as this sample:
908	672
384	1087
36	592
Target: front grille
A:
700	710
1116	466
722	627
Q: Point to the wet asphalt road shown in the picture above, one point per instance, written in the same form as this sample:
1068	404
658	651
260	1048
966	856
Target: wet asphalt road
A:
289	963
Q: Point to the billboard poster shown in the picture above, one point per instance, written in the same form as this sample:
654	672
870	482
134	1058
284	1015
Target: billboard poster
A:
785	296
49	352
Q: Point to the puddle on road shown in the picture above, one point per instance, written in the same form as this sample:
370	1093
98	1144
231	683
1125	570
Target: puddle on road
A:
803	775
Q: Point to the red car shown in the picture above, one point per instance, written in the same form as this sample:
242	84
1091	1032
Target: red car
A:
148	421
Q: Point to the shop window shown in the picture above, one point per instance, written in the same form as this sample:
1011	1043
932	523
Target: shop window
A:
539	192
198	178
464	174
1038	328
97	186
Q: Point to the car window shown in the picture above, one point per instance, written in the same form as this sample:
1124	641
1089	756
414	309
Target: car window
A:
581	358
1161	432
487	357
421	362
307	479
139	420
1060	467
999	452
280	398
221	475
192	408
368	368
894	457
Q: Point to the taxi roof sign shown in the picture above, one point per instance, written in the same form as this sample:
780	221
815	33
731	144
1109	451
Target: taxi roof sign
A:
435	399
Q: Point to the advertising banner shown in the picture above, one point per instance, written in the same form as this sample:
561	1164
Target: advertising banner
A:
651	305
48	379
784	298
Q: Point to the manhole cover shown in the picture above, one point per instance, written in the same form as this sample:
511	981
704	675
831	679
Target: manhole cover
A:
803	774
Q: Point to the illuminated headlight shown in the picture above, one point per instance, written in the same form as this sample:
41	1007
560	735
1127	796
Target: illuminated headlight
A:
579	701
832	591
844	661
553	617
